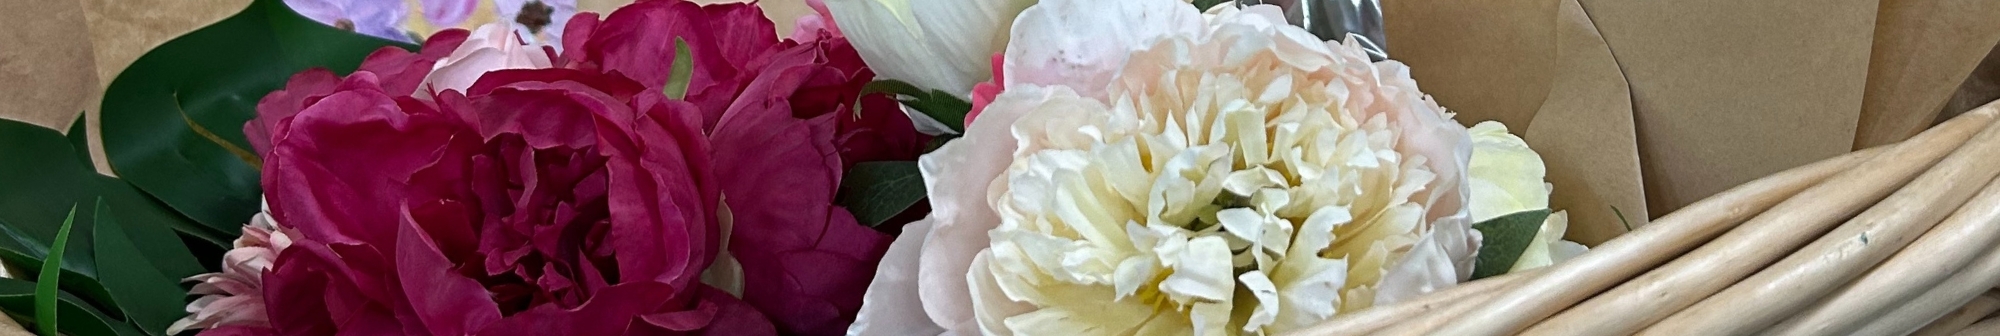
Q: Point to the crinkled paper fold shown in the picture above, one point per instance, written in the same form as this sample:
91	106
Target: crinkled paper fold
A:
1647	106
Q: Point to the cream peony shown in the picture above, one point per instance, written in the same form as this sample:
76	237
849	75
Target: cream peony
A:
490	47
1507	178
1153	170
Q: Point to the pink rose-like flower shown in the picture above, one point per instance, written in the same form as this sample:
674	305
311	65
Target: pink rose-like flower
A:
491	47
785	129
536	202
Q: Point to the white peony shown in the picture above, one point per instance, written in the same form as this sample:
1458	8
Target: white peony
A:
934	44
1168	172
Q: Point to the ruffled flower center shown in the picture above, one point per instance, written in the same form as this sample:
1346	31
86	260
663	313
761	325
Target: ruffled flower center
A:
543	240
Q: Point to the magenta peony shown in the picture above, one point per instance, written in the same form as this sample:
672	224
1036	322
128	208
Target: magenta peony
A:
434	193
782	117
539	202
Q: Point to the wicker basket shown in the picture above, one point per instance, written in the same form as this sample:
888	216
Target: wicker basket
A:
1894	240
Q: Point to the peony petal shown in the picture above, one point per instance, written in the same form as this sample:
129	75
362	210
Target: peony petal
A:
1046	50
610	312
891	305
329	169
731	316
446	303
308	85
1426	268
935	45
957	177
638	42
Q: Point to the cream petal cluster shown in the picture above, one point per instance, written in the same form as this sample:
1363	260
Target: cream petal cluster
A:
1507	177
1220	173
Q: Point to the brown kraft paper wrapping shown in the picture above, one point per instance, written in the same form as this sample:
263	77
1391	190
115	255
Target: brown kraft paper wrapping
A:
1541	67
1923	50
1721	91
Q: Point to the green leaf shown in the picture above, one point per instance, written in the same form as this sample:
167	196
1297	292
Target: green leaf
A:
172	121
876	191
50	278
1206	4
150	299
682	71
79	141
942	106
1504	239
74	317
37	190
91	292
152	227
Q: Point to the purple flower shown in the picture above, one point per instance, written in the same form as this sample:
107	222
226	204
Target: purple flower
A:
378	18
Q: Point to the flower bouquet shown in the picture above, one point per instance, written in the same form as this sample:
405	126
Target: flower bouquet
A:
1030	167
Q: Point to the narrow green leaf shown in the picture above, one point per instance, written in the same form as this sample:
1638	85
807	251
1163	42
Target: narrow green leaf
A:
939	105
17	297
682	71
1206	4
1504	239
91	293
1621	218
50	278
150	299
879	190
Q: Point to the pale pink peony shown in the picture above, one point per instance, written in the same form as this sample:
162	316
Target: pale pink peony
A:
1148	168
489	48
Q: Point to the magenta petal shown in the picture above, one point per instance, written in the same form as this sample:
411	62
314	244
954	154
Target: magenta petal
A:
667	183
786	171
238	331
579	30
339	174
611	312
306	86
715	313
447	304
